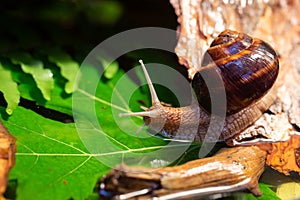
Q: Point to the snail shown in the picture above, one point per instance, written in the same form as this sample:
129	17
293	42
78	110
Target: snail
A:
248	68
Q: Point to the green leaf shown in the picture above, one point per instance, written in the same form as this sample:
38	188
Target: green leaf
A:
54	162
61	161
42	77
111	69
59	100
68	67
9	88
51	162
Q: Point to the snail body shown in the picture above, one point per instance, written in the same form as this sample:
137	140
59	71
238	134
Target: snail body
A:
247	66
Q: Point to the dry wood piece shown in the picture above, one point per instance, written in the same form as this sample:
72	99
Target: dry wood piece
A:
230	168
7	156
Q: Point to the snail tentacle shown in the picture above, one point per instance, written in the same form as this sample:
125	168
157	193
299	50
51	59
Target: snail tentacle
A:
155	101
154	97
157	110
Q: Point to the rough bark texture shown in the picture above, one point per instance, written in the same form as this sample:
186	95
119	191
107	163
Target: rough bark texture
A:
278	23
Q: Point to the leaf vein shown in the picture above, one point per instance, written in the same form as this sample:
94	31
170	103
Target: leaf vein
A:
99	154
101	100
47	137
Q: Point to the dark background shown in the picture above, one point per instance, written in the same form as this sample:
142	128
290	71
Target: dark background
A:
77	26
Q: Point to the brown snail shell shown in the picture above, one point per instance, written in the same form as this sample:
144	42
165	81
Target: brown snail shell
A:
248	67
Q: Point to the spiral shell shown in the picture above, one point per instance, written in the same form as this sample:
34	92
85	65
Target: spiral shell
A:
248	67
